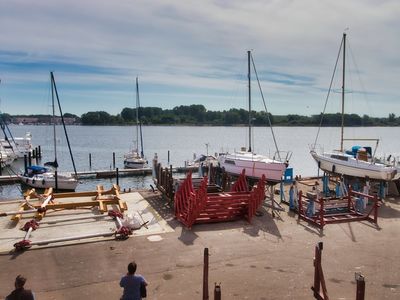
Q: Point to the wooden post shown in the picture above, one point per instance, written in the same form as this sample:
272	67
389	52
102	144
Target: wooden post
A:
205	275
217	292
113	160
25	164
90	161
360	287
117	176
168	157
29	159
39	152
56	180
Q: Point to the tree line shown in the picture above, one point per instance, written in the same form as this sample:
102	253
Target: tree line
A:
199	115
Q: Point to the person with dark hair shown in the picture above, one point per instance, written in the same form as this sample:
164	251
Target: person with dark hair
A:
20	293
134	285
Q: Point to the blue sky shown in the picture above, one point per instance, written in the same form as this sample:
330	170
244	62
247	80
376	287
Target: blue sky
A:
194	52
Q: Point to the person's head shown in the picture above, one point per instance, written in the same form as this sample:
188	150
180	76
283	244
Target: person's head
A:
132	267
20	281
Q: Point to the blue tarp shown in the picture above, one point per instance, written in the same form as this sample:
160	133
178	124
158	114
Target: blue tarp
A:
37	169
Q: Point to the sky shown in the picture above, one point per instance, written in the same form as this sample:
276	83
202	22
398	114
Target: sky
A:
195	52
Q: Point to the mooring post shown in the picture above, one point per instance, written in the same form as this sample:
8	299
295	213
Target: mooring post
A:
33	153
39	151
56	180
155	161
360	286
205	275
117	177
25	164
168	158
90	161
217	291
317	266
30	159
113	160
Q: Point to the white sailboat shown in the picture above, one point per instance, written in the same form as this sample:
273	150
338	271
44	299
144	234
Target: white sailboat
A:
255	165
48	176
135	159
359	162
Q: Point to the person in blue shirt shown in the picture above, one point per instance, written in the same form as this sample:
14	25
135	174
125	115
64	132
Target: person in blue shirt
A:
132	283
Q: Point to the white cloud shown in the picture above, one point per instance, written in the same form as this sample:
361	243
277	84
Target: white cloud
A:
195	50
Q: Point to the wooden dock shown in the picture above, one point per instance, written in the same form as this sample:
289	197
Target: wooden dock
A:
96	174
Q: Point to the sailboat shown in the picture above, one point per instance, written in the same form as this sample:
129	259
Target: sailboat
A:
357	162
47	176
134	159
255	165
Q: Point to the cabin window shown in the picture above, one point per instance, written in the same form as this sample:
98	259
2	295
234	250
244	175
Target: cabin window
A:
229	161
345	158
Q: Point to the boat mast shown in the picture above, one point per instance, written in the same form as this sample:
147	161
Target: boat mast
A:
140	123
343	80
63	123
54	118
249	78
137	116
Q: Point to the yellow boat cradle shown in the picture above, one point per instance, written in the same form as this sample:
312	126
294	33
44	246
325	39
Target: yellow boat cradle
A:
100	200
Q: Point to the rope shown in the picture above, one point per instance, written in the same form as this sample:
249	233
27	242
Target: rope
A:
30	224
327	96
114	214
265	107
22	245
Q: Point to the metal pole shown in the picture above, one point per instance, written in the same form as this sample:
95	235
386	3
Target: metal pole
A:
249	78
343	80
205	275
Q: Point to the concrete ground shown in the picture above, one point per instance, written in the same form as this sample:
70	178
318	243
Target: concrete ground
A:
272	258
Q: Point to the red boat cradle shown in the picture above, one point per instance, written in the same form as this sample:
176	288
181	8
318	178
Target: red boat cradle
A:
338	210
197	206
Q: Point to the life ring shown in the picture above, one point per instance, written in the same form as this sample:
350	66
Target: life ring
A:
333	169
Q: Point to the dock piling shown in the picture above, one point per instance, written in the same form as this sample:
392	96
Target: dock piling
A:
113	160
90	161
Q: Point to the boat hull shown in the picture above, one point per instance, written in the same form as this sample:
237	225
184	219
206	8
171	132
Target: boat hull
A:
353	167
254	165
44	181
135	163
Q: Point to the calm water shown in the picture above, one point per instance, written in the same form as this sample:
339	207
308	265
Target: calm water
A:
183	142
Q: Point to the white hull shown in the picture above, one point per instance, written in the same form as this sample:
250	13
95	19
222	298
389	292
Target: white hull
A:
134	161
20	146
255	165
343	164
47	180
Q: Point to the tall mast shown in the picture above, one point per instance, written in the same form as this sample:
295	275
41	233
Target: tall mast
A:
54	118
249	78
137	116
343	80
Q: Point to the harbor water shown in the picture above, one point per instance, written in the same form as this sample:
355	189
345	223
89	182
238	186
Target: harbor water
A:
176	144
